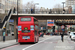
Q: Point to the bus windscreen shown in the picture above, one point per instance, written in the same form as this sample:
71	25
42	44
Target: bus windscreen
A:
25	19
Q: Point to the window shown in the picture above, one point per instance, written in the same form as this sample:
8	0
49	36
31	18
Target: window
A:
25	19
36	27
7	25
0	5
35	32
12	28
35	21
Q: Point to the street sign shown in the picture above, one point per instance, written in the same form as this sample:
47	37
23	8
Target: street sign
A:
62	27
50	22
63	30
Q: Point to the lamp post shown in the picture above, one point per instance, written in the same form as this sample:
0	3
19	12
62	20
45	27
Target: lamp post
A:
34	6
17	23
63	6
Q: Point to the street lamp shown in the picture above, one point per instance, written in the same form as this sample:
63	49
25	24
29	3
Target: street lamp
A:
17	23
34	6
63	7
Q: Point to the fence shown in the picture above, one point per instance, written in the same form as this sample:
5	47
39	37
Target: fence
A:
38	11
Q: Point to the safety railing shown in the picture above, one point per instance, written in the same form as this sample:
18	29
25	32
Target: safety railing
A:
5	19
38	11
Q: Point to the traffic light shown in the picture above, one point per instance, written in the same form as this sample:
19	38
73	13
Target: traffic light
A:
53	28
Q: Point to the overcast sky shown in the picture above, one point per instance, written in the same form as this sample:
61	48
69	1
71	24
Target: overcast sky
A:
45	3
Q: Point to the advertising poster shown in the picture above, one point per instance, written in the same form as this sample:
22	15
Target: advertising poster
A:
50	22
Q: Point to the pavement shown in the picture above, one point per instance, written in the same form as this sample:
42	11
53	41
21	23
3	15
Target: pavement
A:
13	42
7	43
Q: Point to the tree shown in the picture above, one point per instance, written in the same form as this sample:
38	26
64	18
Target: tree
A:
28	6
58	8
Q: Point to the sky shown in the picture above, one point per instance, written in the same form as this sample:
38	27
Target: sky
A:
45	3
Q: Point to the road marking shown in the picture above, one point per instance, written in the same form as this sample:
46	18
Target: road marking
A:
36	43
71	42
49	42
9	47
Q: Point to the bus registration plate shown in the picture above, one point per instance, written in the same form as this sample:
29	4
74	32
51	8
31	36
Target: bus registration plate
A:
26	37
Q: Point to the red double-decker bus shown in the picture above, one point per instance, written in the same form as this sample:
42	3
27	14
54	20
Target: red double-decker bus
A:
28	29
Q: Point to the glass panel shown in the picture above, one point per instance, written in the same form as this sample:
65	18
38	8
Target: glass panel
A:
7	27
35	32
36	27
25	19
12	28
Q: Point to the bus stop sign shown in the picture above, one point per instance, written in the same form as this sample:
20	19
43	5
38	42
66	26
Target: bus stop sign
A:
63	30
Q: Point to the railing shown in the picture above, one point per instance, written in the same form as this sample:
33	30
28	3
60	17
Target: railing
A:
5	19
38	11
64	21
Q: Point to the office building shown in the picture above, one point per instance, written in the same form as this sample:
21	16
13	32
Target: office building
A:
6	5
2	6
10	4
70	3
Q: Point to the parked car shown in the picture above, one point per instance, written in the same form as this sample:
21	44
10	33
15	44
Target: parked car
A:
73	36
71	33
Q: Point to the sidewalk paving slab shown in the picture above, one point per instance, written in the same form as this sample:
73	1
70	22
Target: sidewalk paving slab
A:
7	43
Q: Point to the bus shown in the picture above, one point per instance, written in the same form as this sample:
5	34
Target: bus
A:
28	29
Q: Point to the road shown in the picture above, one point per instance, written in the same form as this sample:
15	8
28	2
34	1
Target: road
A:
48	43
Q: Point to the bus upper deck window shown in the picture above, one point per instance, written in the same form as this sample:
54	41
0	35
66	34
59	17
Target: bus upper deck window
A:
25	19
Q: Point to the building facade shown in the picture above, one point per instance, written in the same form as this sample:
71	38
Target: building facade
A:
11	4
6	5
70	2
2	6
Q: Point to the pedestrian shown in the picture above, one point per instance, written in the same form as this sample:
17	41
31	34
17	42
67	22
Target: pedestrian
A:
33	11
14	10
40	34
62	35
4	34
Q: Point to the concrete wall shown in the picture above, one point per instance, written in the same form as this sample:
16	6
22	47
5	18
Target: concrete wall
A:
14	27
7	38
0	33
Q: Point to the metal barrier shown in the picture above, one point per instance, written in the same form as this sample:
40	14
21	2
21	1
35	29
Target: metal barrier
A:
39	11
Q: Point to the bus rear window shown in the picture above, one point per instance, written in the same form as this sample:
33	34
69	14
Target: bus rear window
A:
25	19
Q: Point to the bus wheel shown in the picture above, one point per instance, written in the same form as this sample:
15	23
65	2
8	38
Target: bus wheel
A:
37	42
